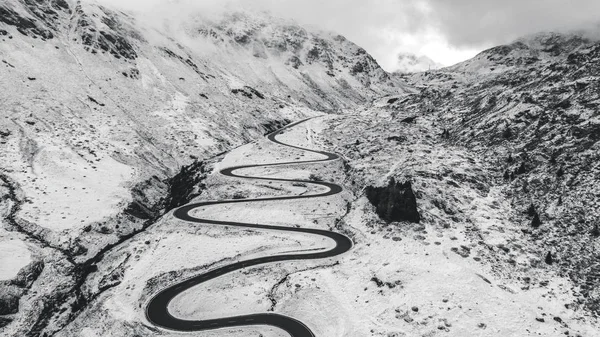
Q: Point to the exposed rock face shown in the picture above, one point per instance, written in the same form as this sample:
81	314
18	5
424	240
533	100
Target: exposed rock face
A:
532	108
116	116
186	185
394	202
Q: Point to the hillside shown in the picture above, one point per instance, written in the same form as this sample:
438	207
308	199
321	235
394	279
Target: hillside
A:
530	110
470	193
108	116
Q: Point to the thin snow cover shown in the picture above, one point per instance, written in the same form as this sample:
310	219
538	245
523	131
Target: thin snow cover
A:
14	255
399	279
72	191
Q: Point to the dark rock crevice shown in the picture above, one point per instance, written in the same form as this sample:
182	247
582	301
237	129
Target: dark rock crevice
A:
275	125
271	295
394	202
24	25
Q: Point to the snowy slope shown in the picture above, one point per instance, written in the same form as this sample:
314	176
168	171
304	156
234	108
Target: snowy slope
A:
107	116
109	119
101	98
531	109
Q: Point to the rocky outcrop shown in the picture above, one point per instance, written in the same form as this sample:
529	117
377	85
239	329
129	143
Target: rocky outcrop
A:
186	185
394	202
530	108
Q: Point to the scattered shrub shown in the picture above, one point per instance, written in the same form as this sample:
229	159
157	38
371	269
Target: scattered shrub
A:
314	177
535	222
549	259
596	231
522	168
531	210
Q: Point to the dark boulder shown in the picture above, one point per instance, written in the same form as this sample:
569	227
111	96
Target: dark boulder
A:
9	299
394	202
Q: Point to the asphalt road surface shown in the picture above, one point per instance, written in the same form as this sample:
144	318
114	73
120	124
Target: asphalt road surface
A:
157	310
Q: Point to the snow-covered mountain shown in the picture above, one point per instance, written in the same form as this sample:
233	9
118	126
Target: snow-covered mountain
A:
106	115
94	93
110	119
531	109
411	63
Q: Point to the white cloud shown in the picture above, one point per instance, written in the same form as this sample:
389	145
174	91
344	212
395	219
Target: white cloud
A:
445	31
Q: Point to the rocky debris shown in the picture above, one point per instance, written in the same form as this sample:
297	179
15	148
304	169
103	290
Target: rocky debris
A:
107	36
248	92
394	202
463	251
24	25
186	185
274	125
549	258
388	284
409	119
132	73
397	139
295	62
9	300
530	109
93	100
188	62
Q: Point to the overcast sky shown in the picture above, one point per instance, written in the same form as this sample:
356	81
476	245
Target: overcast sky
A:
447	31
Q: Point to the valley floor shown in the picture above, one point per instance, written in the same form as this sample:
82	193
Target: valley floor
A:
399	279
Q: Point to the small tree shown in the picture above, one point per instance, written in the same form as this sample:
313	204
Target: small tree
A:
531	210
553	158
596	231
314	177
549	259
522	168
535	222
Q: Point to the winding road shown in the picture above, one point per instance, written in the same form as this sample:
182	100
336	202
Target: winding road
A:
157	310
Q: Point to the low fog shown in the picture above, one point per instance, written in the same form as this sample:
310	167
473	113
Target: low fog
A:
445	31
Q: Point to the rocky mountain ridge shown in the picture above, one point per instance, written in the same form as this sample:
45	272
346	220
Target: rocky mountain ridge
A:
531	109
106	118
109	121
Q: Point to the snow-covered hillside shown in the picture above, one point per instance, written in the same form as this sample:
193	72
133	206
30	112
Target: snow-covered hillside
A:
531	109
108	120
105	116
96	101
